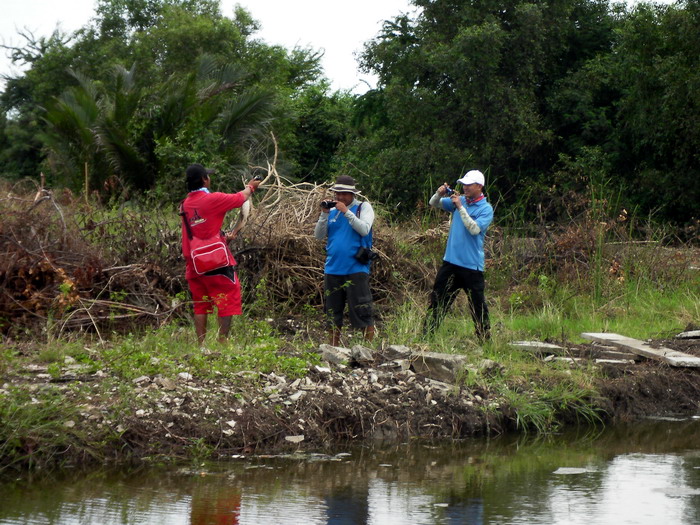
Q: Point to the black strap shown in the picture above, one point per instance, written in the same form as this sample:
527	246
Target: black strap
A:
184	219
187	223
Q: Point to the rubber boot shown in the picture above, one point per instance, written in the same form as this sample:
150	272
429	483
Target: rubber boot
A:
334	337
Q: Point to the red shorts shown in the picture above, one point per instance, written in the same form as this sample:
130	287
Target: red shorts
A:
221	291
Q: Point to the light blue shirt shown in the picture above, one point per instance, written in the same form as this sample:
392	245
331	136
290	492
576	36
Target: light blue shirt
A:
463	248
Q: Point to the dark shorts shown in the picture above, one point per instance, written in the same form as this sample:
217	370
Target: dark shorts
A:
352	290
220	289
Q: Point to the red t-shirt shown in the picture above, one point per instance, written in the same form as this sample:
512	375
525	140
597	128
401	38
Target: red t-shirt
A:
205	213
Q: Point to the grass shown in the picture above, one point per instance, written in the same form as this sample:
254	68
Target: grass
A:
171	350
642	291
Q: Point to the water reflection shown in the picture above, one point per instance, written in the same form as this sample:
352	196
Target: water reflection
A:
637	474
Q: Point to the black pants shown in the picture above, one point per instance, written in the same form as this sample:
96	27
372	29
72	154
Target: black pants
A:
449	281
352	290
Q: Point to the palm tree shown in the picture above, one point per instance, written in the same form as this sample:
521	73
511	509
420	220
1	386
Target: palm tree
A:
116	130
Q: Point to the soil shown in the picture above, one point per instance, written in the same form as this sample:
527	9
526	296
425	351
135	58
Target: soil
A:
381	399
650	388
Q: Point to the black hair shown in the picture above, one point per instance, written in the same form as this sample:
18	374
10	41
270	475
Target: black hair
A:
196	174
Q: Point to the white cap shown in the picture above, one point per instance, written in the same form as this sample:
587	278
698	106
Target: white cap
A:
472	177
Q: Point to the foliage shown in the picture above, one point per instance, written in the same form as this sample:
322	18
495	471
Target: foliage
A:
127	103
527	90
533	93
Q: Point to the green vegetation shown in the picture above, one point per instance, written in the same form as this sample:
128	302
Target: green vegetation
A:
543	97
582	114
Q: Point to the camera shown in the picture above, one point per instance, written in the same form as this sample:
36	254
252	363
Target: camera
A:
327	205
449	191
258	177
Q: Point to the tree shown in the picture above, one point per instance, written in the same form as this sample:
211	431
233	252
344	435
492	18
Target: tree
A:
465	84
118	130
157	112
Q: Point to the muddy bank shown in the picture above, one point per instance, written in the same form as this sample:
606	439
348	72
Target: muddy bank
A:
354	394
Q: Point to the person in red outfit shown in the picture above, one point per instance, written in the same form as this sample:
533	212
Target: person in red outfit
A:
205	211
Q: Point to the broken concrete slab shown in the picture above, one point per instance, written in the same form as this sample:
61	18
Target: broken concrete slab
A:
334	354
441	367
666	355
396	352
361	355
615	361
690	334
538	347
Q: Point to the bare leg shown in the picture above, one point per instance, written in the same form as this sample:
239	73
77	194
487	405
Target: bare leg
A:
369	333
224	328
200	327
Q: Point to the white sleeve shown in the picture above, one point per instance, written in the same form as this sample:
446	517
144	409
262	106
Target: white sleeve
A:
435	201
469	223
321	228
362	224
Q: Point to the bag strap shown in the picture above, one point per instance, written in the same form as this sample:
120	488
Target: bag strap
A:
364	241
184	219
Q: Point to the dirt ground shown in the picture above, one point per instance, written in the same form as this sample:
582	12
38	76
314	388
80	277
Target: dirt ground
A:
650	388
377	400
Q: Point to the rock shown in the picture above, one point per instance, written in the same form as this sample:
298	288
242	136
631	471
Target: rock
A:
165	383
297	395
294	439
490	368
361	355
334	354
396	352
141	380
440	385
184	376
276	378
538	347
442	367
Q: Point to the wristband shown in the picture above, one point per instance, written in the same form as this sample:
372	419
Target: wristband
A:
252	189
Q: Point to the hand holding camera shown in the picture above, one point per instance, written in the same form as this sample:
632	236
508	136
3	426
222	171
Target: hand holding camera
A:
255	182
327	205
445	190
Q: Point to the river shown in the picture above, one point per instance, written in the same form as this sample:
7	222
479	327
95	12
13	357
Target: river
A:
637	474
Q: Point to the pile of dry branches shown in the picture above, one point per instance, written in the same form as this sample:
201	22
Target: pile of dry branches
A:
66	265
283	262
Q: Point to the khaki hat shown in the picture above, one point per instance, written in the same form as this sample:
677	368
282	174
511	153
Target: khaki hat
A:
345	183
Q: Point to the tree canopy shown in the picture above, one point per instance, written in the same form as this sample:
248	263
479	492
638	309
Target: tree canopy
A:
546	98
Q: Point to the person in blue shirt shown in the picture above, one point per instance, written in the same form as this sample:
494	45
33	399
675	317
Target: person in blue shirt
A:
346	224
463	263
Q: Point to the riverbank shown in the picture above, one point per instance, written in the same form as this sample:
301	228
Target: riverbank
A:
76	414
98	360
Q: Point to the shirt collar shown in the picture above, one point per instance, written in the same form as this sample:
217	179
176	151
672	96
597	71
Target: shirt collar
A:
205	190
474	201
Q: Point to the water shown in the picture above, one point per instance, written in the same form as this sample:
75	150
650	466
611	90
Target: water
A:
646	473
